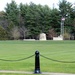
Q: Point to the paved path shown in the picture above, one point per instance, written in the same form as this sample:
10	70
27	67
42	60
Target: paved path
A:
23	72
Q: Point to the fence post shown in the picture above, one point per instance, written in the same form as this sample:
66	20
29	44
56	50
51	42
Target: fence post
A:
37	63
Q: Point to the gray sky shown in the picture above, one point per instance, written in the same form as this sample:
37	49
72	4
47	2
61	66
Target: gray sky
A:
42	2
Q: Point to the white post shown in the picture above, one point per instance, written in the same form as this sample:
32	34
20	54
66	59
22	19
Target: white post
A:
62	27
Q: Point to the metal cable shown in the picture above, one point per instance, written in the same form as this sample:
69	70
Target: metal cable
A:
57	60
18	59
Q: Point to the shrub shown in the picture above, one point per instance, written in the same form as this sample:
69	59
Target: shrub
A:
3	34
66	36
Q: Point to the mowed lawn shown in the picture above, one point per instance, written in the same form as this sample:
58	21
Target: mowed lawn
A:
58	50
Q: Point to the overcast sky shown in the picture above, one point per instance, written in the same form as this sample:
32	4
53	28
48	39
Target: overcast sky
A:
42	2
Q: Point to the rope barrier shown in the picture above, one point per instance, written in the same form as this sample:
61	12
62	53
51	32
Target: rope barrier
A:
57	60
41	56
17	59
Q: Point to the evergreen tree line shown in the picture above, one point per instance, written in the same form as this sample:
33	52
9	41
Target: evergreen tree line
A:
27	21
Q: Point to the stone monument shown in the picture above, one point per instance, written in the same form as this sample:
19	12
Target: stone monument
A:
42	36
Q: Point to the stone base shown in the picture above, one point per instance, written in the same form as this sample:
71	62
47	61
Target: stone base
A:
29	39
58	38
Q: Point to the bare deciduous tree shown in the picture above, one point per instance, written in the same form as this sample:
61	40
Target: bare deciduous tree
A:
15	33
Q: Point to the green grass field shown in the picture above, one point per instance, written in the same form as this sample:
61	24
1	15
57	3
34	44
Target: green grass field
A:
59	50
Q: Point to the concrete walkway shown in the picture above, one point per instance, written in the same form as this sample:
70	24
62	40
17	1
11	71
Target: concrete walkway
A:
23	72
